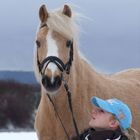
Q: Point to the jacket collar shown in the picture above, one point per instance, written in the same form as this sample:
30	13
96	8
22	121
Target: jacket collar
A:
106	134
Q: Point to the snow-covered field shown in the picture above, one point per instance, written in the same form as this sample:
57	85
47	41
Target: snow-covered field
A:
18	136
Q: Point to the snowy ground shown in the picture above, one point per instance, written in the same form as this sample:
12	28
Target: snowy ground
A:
18	136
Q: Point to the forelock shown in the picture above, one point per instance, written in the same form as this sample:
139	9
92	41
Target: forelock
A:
62	24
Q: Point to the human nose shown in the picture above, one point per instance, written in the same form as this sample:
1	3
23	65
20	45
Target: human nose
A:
94	111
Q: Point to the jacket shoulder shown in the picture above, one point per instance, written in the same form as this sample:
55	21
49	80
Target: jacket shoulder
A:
123	137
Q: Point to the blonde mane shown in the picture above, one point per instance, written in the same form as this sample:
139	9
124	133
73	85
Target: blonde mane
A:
62	24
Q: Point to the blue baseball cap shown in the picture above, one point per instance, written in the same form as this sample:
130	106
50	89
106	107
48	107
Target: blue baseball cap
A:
116	107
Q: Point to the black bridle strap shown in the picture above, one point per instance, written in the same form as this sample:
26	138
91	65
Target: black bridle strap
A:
71	108
58	117
57	61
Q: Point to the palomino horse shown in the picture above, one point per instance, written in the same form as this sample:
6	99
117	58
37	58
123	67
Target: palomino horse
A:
58	60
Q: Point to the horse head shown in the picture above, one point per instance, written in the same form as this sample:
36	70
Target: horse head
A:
54	47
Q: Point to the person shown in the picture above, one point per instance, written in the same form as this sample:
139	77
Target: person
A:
109	120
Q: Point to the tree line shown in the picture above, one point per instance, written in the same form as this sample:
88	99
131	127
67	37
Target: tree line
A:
18	104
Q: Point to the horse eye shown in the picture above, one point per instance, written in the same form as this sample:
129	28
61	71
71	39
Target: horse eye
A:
43	25
38	43
68	43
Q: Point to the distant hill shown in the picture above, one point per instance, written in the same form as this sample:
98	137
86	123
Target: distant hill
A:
19	76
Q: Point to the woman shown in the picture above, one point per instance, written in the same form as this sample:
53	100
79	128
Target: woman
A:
110	119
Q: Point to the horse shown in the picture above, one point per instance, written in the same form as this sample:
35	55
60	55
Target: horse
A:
59	62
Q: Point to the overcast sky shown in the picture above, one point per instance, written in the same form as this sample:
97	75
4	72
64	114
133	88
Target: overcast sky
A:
110	37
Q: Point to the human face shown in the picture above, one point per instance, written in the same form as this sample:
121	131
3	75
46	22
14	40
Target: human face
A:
100	119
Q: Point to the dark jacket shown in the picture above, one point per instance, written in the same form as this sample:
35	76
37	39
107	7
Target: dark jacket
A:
91	134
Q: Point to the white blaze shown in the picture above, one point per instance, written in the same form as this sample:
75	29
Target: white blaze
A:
52	51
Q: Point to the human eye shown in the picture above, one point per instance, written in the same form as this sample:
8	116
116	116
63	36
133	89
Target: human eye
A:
102	111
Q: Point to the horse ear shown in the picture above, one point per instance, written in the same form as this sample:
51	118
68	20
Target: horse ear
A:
67	11
43	13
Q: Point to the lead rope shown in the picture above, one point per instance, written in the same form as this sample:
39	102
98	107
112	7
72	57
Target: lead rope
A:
70	106
58	117
71	109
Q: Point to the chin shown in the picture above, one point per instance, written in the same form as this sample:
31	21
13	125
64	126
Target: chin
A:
90	123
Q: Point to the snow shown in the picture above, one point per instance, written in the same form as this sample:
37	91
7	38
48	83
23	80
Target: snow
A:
18	136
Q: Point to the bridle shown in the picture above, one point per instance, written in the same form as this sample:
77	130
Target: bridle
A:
64	68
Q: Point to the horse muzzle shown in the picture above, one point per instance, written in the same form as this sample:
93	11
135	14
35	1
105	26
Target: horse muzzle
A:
51	84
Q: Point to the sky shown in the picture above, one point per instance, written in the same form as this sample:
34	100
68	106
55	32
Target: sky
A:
110	32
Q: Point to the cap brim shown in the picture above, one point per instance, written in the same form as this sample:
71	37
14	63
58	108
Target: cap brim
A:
102	104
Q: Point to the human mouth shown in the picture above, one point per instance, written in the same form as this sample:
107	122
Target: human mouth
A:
92	117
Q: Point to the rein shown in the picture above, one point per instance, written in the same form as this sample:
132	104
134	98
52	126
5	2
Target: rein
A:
71	108
63	68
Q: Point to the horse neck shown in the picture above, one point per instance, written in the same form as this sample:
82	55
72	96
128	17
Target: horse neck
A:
81	69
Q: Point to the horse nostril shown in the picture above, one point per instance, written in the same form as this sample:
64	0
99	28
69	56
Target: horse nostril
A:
57	81
45	80
51	85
